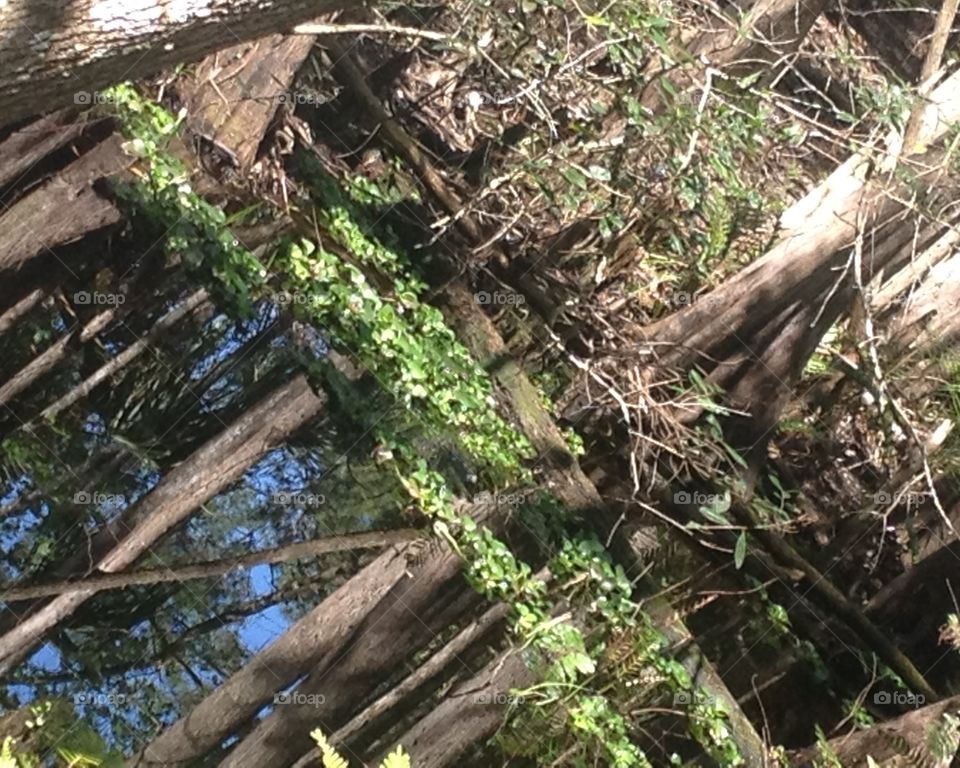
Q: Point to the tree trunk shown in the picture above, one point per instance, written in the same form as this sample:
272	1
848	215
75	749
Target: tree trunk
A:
753	334
64	209
417	687
356	640
469	714
408	619
210	470
342	542
58	52
194	301
235	93
317	638
52	356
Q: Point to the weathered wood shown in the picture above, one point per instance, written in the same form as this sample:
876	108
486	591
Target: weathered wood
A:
58	52
409	617
904	740
234	94
210	469
469	714
21	308
419	684
355	640
318	637
24	148
754	333
64	209
929	318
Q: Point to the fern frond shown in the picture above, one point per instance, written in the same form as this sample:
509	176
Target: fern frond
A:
331	759
396	759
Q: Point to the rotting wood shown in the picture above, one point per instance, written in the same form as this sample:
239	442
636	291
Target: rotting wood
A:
24	148
469	714
234	94
64	209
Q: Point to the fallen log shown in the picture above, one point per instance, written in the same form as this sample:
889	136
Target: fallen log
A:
64	209
234	94
23	149
469	714
61	52
910	736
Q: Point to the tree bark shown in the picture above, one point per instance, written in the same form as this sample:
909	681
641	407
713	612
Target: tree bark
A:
417	687
356	640
753	334
58	52
211	469
904	737
21	308
409	617
235	93
318	637
23	149
471	713
64	209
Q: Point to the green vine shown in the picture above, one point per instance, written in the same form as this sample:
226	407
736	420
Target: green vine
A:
412	353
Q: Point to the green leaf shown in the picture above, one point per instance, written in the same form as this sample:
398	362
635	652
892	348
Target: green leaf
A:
740	550
574	176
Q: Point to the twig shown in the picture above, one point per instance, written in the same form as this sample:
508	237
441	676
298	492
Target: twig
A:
695	134
375	29
99	582
929	73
